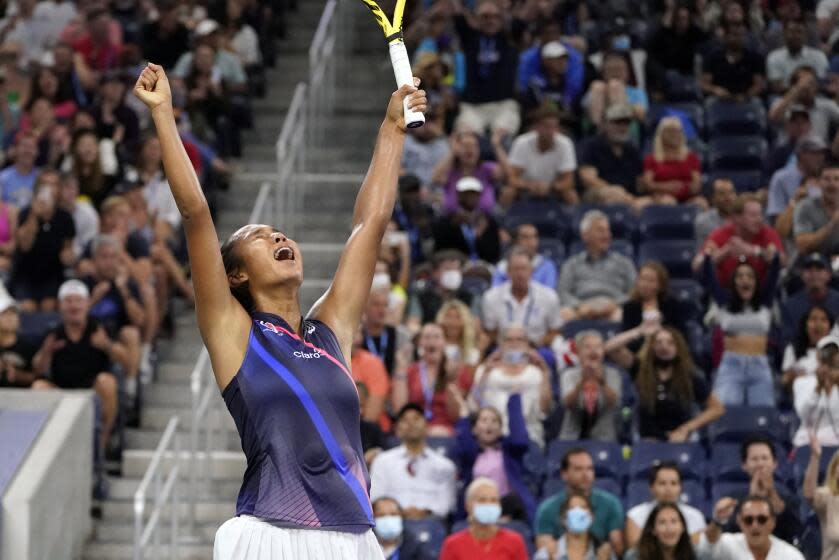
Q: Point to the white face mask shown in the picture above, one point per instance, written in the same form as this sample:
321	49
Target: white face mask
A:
451	280
381	281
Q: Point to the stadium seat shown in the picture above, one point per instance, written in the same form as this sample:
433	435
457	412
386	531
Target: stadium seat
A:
723	489
802	458
430	533
34	326
676	256
667	222
726	464
810	541
693	110
693	493
535	462
647	454
690	295
622	246
622	221
442	444
737	153
554	485
606	328
548	216
744	180
728	118
553	249
475	285
608	457
679	88
741	422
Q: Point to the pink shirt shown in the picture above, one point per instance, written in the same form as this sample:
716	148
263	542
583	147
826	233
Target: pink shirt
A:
490	463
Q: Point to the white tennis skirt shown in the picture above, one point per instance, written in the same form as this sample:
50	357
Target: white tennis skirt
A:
249	538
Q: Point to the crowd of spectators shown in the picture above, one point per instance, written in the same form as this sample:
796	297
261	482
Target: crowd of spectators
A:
605	309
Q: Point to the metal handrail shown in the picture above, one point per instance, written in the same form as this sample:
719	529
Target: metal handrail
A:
291	152
164	491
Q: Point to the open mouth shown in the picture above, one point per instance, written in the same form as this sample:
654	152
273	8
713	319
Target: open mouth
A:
284	254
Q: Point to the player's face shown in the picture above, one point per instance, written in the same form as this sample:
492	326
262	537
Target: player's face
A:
269	257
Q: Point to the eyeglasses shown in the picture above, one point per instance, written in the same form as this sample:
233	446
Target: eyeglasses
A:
749	520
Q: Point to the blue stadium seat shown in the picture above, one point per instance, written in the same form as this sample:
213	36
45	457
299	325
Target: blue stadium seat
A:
622	246
744	180
607	456
802	458
810	541
693	493
689	293
728	118
34	326
535	462
553	249
726	464
430	533
442	444
622	220
647	454
679	88
475	285
692	109
667	222
740	153
548	216
676	256
741	422
554	485
607	328
723	489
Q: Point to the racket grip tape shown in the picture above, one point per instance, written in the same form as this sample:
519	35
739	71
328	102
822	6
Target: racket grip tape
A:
402	70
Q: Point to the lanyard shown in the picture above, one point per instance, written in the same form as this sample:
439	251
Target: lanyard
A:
395	555
371	345
527	312
469	236
427	390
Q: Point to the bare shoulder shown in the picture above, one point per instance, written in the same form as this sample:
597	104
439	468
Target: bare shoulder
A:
227	343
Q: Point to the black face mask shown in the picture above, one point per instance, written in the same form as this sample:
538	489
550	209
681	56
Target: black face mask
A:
661	363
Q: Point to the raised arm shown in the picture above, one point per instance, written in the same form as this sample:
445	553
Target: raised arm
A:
224	324
341	306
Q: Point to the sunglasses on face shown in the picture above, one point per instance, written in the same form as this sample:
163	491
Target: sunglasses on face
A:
749	520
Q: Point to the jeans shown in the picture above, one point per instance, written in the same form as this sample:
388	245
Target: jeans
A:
744	380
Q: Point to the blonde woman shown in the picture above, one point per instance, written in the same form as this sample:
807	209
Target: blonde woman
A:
458	326
672	171
824	499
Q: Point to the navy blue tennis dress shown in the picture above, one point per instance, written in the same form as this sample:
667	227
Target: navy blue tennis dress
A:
296	409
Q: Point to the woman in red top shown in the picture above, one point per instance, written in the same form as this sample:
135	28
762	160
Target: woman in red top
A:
672	171
483	538
424	382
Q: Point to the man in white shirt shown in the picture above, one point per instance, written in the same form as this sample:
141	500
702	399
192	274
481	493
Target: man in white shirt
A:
419	478
756	521
782	62
543	161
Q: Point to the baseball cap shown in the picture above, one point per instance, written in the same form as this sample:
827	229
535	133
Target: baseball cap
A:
619	112
554	49
469	184
7	302
810	144
829	340
816	259
206	27
73	288
410	406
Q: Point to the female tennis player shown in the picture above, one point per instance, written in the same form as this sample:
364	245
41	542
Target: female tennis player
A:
285	378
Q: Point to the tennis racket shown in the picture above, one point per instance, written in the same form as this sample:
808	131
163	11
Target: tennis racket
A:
398	53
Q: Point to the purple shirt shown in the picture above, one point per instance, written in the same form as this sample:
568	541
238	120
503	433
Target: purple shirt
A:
484	174
490	463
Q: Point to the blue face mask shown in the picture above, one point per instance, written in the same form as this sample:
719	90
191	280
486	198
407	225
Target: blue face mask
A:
388	527
487	514
578	520
515	356
621	43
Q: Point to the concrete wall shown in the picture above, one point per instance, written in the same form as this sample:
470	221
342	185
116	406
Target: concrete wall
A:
46	509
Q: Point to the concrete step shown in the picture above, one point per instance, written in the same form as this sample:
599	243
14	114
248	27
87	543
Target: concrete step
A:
125	551
176	372
123	489
224	465
148	438
212	511
167	394
114	532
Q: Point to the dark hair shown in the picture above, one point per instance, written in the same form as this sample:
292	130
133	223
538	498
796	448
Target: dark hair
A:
517	230
563	465
232	263
802	340
683	371
649	547
566	505
386	499
737	304
36	92
758	499
756	440
664	466
830	163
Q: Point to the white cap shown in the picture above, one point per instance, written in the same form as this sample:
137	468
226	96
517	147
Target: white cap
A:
205	27
73	288
7	302
554	49
467	184
827	341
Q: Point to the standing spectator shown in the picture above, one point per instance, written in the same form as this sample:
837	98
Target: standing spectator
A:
522	301
760	464
526	238
614	88
815	274
797	125
29	32
756	521
673	47
421	480
15	353
165	39
595	283
804	91
577	471
542	162
18	180
665	535
469	229
115	119
444	285
823	499
483	538
378	337
801	355
396	544
665	488
488	100
590	393
97	176
723	197
85	217
817	397
734	72
459	329
43	248
793	183
464	160
672	170
425	147
816	218
782	62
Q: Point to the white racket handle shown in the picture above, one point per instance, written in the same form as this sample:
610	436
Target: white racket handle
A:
404	76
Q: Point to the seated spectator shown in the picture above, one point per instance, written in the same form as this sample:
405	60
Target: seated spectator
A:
610	164
425	147
823	498
675	400
576	516
373	439
817	397
78	353
522	301
552	74
526	238
432	70
414	216
542	162
665	535
816	274
420	479
590	393
115	119
379	337
97	176
744	316
782	62
396	544
673	47
605	509
793	183
43	248
367	368
515	368
614	87
800	355
444	285
756	521
665	488
75	77
464	160
797	125
226	63
459	327
672	170
85	217
165	39
241	38
744	238
804	92
469	229
723	197
815	219
18	180
397	297
424	383
15	354
733	72
95	44
483	538
594	283
488	99
760	464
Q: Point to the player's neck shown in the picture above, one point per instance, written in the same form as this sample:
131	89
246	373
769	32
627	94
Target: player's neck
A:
284	305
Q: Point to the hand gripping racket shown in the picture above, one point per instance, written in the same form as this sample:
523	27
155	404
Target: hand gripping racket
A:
398	54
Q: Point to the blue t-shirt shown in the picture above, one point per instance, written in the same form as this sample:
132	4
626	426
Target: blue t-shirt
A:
16	188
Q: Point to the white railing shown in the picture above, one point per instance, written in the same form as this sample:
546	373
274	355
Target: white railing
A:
165	491
292	153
